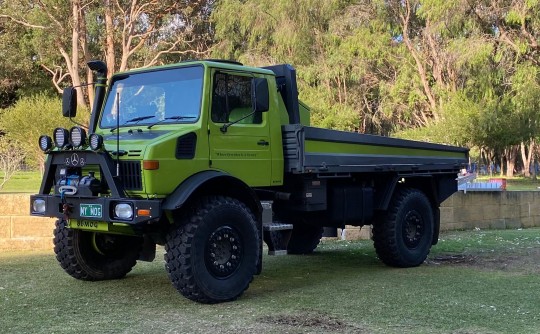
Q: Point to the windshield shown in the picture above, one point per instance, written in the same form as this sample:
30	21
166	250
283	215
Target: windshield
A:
164	96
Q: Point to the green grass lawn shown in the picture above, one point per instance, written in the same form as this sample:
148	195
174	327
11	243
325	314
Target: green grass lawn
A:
23	182
473	282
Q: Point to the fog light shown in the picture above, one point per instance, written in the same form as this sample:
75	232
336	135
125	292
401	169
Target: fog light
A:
61	137
123	211
39	206
77	136
96	142
45	143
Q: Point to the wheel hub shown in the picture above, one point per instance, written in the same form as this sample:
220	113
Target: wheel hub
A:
223	252
413	229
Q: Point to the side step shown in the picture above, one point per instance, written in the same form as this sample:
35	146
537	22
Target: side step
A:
276	235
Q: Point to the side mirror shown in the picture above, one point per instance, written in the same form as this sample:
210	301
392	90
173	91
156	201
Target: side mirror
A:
259	95
69	102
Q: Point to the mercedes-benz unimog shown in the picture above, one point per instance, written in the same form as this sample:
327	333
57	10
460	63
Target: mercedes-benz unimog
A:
183	155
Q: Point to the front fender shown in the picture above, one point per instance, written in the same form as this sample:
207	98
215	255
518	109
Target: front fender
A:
212	182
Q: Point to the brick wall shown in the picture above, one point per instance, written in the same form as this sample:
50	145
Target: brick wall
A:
18	230
494	210
484	210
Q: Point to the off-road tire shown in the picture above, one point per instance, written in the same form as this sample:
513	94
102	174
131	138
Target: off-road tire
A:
91	256
304	238
212	252
403	235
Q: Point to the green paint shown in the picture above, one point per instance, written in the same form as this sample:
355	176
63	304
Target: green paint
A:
316	146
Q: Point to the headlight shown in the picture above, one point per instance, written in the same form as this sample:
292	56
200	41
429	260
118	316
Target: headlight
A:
77	136
96	142
45	143
61	136
39	206
123	211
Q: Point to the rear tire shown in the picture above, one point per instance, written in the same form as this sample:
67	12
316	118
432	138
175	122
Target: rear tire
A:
94	256
213	252
403	235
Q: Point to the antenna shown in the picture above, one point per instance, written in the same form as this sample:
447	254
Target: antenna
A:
117	134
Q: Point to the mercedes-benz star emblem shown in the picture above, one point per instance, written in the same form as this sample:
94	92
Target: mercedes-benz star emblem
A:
75	160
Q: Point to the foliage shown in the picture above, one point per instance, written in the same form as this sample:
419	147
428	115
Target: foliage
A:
62	36
32	117
457	71
11	158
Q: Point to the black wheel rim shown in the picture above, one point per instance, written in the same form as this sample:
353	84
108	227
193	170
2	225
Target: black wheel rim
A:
413	229
223	253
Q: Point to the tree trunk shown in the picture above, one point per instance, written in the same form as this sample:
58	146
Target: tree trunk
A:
73	65
87	57
511	154
419	65
526	157
109	42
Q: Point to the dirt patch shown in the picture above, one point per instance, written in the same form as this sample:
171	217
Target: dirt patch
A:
310	321
525	261
452	259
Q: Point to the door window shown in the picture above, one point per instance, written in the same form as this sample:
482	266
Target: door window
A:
231	100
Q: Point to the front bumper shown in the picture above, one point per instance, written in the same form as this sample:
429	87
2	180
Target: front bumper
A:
144	210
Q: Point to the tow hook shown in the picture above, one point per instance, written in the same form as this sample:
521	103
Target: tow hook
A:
66	210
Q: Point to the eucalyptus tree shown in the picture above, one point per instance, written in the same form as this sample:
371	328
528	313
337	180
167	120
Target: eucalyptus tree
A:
67	34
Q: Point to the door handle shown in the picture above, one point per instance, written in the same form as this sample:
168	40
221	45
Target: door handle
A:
263	142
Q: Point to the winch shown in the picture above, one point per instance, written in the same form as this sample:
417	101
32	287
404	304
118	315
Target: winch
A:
74	184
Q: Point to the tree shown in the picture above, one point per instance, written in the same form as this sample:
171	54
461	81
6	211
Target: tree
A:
30	118
11	158
67	34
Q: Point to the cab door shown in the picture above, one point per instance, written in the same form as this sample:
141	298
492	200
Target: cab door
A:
239	139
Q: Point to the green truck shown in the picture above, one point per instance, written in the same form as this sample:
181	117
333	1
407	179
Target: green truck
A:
183	156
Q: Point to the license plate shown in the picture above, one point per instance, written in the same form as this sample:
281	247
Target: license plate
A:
88	225
91	210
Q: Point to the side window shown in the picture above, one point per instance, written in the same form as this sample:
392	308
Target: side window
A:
231	100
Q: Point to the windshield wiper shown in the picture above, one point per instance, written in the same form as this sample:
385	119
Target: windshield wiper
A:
176	118
136	120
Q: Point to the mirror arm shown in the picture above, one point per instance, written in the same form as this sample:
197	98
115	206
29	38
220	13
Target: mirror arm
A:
223	129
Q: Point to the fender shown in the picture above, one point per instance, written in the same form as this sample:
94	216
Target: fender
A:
219	183
200	182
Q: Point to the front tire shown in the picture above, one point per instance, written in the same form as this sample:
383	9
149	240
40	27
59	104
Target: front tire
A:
92	256
403	235
213	252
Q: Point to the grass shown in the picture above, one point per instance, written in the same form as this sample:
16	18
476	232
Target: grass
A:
473	282
23	182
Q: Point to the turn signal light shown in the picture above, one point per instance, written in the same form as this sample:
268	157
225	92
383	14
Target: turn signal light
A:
150	164
143	213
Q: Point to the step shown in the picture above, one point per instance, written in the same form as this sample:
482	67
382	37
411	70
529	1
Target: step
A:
276	226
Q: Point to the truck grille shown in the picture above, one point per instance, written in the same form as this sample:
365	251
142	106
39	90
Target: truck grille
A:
130	173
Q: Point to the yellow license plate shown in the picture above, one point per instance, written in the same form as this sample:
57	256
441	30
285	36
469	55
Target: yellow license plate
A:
89	225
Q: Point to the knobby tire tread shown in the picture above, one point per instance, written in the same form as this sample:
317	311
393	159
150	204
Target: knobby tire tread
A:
178	255
385	232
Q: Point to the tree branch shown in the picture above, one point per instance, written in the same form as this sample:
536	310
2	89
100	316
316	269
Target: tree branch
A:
26	24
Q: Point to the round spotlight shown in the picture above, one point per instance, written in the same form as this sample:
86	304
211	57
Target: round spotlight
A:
45	143
96	142
77	136
61	137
